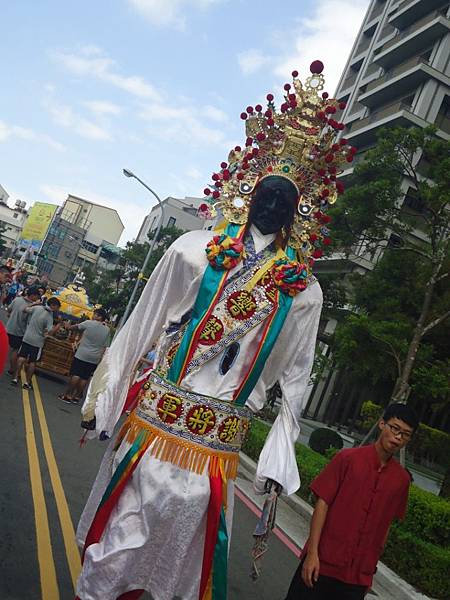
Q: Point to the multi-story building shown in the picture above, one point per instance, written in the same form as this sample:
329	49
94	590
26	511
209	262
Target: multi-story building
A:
398	74
82	233
12	220
182	214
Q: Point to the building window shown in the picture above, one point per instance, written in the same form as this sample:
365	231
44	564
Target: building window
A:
171	222
53	250
89	247
45	266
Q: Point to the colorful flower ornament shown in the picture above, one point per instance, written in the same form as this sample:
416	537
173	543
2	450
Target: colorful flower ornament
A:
298	141
224	252
290	276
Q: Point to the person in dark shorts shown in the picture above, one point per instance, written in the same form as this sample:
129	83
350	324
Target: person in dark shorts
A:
94	339
17	323
39	326
359	493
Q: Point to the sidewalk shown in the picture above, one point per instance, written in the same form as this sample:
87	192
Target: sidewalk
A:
293	516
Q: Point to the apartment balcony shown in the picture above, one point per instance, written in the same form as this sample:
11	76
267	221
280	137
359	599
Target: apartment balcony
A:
412	40
398	114
399	81
347	83
411	11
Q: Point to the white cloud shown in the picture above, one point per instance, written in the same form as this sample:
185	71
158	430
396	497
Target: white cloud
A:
252	60
94	63
169	13
131	213
65	116
101	107
194	173
215	114
181	124
328	35
24	133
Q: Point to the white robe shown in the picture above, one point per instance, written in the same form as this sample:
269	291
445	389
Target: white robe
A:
155	536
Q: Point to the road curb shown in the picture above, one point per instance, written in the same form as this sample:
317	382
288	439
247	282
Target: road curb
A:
396	587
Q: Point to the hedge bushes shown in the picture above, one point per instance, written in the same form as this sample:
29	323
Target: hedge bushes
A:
428	445
422	564
418	549
324	439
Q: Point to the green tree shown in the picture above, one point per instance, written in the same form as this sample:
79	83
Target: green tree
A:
400	320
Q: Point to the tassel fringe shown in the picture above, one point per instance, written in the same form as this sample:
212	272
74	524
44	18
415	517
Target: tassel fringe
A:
182	453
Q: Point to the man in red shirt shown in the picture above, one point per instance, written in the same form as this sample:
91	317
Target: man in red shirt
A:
359	494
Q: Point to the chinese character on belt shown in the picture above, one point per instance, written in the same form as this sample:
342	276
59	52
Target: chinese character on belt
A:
212	332
169	408
266	282
229	429
200	419
241	305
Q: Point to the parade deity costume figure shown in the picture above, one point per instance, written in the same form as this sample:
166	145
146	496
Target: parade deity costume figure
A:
230	316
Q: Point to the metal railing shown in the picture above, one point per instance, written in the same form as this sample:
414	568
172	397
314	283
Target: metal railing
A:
377	10
364	44
414	27
371	69
349	81
397	70
386	111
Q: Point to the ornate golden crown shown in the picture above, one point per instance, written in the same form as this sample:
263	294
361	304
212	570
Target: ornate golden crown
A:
297	142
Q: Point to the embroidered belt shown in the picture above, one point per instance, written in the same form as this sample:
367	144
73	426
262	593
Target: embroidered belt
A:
188	428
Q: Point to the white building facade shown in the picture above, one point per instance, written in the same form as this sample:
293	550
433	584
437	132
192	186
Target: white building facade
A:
182	214
12	220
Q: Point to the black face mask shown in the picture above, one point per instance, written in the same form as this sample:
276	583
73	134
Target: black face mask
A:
273	205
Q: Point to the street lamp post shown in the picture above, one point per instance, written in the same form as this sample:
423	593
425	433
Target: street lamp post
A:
140	276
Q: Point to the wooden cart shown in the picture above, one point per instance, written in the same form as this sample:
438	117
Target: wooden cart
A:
57	356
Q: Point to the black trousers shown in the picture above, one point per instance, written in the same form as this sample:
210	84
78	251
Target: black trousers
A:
326	588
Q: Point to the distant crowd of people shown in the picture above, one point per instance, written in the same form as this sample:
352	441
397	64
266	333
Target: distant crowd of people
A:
32	316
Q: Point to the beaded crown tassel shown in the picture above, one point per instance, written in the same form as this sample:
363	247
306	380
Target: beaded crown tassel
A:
298	142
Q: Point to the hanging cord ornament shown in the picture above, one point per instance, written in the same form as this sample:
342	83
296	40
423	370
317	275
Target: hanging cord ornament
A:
264	526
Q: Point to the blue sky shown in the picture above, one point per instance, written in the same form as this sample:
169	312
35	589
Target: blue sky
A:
90	87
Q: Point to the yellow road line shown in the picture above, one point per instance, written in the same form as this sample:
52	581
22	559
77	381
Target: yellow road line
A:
47	571
73	556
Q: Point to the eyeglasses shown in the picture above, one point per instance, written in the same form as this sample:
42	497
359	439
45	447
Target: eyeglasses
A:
404	435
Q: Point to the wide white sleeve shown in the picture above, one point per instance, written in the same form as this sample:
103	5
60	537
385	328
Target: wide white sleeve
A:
168	289
296	351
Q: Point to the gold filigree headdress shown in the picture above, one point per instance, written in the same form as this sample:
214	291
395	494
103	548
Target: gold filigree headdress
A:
297	142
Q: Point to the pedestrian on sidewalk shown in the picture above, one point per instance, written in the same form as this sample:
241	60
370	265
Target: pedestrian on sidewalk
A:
94	339
39	326
359	493
17	323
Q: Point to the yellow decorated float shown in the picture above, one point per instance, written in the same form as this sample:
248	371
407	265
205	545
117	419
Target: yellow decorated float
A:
59	350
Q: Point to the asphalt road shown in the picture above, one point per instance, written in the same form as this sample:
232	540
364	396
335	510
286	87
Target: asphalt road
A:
45	480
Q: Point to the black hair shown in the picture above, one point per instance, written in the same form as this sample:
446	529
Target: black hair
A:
33	291
101	312
54	302
398	410
6	269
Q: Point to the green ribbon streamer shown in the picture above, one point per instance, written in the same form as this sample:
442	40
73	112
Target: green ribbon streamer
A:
208	288
121	468
220	561
284	305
